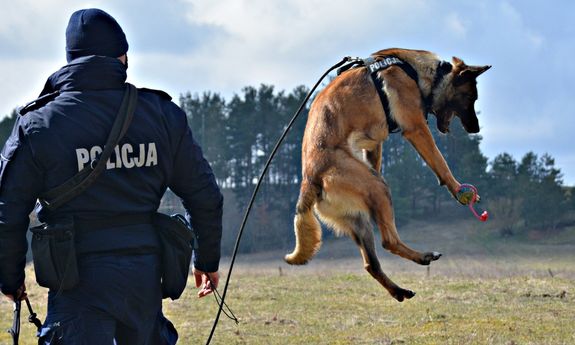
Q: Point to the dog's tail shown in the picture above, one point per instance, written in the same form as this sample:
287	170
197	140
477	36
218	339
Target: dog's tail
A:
306	226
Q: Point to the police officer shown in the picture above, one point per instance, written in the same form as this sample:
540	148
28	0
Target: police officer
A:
118	298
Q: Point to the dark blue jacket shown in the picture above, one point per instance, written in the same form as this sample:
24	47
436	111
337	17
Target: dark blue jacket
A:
51	142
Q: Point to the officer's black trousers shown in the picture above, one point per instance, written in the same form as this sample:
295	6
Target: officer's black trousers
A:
118	301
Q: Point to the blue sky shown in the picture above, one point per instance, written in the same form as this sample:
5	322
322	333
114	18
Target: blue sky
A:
526	100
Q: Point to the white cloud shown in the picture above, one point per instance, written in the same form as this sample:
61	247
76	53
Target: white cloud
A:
33	28
456	25
289	43
23	79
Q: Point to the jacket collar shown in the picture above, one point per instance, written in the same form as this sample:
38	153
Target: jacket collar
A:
87	73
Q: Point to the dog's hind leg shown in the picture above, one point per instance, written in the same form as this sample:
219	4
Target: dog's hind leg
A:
306	226
360	230
382	213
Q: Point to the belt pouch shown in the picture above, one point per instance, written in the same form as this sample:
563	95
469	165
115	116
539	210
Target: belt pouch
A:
54	254
176	240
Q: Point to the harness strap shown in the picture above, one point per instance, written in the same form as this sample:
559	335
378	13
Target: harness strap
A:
379	83
373	67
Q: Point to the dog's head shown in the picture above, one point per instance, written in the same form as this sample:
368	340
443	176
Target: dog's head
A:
457	97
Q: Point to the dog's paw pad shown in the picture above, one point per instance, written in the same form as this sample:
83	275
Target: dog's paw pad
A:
429	257
435	255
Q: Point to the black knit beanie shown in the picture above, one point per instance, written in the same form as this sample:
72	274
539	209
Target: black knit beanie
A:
94	32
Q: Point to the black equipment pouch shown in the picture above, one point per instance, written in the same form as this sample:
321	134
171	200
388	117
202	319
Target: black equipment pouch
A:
54	254
177	242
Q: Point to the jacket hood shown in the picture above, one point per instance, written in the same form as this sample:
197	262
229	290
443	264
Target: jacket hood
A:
87	73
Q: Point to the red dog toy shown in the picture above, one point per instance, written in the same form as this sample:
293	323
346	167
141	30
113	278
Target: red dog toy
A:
467	194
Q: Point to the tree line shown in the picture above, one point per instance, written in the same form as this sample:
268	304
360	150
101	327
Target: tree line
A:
238	134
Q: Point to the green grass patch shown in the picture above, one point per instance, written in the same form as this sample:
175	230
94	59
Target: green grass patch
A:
328	307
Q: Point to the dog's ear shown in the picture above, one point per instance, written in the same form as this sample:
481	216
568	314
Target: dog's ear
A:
472	72
478	70
465	71
457	62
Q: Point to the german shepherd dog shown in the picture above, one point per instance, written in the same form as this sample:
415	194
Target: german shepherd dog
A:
341	152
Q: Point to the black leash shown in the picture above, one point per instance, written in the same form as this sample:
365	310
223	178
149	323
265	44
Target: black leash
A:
15	330
32	318
256	189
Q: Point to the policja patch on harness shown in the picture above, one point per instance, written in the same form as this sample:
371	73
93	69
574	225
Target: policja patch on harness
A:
375	66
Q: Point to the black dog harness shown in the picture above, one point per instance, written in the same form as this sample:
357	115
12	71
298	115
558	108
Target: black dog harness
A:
374	65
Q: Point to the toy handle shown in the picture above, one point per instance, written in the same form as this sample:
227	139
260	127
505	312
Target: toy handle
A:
484	215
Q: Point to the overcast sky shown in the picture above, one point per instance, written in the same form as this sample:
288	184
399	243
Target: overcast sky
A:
526	100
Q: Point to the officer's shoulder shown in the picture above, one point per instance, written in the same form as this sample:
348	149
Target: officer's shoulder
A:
162	94
38	103
169	108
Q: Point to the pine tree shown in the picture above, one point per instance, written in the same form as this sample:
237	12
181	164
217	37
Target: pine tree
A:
544	200
207	118
503	198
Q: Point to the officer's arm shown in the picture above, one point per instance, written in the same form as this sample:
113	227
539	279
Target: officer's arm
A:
20	182
193	181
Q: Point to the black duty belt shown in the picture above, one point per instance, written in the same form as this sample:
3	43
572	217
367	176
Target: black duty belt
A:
113	222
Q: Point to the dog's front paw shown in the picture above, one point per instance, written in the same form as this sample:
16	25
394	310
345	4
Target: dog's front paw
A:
400	294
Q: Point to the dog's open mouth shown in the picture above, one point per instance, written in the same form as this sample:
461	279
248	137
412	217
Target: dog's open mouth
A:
470	123
443	124
443	128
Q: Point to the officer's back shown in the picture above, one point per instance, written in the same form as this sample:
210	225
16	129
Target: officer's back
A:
69	132
64	131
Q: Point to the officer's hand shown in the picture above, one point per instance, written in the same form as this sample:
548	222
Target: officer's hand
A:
20	294
206	281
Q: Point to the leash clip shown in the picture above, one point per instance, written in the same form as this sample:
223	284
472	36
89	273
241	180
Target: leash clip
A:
353	58
349	62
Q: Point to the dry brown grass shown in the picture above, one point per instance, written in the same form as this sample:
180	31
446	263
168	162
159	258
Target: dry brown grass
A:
483	291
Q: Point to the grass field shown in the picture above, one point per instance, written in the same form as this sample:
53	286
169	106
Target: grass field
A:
483	291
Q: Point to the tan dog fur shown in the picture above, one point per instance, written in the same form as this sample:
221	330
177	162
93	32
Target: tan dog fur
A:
341	154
